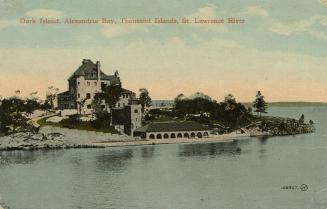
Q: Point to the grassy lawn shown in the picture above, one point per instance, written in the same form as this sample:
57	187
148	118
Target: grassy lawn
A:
82	125
43	121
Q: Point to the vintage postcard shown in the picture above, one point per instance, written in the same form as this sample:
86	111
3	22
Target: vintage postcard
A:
163	104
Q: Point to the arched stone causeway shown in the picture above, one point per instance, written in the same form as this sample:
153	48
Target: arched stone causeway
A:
159	136
199	135
179	135
192	135
186	135
152	136
166	136
173	136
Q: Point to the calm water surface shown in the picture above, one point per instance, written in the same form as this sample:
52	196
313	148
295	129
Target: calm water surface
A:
184	176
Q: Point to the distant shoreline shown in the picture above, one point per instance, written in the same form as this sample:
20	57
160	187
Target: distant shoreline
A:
271	104
291	104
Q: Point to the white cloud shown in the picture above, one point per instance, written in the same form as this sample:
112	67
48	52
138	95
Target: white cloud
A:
255	11
320	19
208	12
304	26
7	23
50	13
115	31
225	43
33	13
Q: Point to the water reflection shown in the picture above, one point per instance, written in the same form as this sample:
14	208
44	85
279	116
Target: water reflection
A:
210	149
263	139
113	159
26	156
147	151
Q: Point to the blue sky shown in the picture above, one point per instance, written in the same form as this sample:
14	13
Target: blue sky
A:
280	39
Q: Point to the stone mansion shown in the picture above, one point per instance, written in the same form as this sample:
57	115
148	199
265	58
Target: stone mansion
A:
86	81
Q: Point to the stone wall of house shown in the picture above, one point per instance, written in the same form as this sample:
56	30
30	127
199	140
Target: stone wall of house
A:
85	88
124	99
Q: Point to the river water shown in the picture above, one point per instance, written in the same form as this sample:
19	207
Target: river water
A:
177	176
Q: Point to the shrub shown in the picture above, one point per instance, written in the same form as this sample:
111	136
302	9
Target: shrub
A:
102	120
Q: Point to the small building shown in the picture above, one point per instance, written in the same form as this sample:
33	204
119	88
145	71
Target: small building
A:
171	130
127	118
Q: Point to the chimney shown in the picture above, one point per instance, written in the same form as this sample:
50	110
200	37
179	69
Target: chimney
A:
98	69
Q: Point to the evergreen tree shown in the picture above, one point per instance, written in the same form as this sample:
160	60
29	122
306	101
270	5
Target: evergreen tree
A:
301	120
260	104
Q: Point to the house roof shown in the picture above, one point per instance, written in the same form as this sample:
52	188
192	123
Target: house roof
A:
64	93
88	70
126	91
172	127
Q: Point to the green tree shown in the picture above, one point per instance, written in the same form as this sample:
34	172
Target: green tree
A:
81	104
179	97
260	104
230	102
13	114
144	98
51	95
31	103
96	104
110	94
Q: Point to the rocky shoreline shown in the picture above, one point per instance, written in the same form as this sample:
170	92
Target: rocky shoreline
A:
279	126
58	138
50	137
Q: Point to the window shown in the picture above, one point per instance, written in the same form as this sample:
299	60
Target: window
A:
78	95
88	106
88	83
118	104
136	111
88	96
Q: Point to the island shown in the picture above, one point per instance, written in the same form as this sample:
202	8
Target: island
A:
97	111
